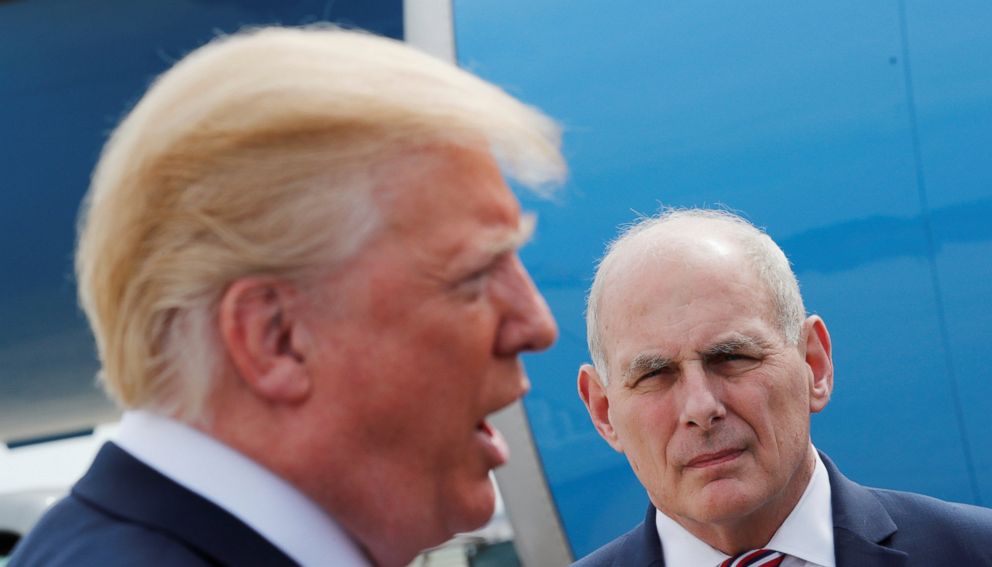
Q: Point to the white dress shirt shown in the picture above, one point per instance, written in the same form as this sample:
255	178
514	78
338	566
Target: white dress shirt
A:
247	490
806	536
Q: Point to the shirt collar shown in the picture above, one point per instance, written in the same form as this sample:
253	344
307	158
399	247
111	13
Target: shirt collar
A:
807	533
270	505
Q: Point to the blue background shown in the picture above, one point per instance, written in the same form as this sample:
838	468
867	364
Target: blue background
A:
856	132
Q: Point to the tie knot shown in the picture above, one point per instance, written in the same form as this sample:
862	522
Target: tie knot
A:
755	558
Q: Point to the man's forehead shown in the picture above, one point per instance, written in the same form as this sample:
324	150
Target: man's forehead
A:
727	341
682	244
437	188
685	255
670	307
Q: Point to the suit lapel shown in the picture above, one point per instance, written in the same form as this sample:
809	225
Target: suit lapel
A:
129	489
861	524
641	547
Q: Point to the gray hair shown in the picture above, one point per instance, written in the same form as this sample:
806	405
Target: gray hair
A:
764	256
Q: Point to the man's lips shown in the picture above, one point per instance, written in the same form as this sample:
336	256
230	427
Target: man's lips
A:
493	445
713	459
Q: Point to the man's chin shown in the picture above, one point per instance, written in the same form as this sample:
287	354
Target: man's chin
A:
473	509
731	505
716	502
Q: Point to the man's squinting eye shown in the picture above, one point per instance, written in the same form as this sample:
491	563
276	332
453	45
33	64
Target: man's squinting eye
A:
474	283
654	374
733	362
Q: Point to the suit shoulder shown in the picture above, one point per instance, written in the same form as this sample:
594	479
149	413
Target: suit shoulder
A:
962	532
74	532
934	513
606	555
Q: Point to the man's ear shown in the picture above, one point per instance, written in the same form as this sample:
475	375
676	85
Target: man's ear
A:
265	339
819	361
593	395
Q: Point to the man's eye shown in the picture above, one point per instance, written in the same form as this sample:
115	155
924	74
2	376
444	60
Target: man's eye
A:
733	363
654	373
472	285
475	277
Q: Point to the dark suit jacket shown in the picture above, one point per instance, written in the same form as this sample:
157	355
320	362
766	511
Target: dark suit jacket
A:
123	512
872	527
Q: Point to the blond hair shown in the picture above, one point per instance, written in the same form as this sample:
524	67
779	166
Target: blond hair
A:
252	156
760	252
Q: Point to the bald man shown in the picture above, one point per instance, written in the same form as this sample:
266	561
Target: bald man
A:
706	371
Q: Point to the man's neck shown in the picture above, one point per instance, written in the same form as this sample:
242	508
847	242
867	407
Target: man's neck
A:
267	503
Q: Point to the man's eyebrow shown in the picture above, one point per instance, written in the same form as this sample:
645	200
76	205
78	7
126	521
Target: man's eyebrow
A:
733	344
517	238
644	363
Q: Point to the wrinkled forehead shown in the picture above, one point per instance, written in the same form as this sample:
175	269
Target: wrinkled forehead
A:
669	276
454	199
439	176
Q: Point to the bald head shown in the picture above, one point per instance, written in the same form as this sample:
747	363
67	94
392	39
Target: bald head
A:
718	241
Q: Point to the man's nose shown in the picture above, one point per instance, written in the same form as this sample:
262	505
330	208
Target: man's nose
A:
527	323
701	405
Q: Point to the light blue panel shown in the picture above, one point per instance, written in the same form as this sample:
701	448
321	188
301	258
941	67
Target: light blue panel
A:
796	114
68	72
950	49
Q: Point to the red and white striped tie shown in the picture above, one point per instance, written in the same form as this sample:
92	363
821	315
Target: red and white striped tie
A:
755	558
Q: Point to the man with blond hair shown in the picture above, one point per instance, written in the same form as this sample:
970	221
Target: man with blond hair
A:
298	257
706	370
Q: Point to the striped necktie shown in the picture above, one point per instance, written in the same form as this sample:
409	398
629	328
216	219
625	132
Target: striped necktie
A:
755	558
